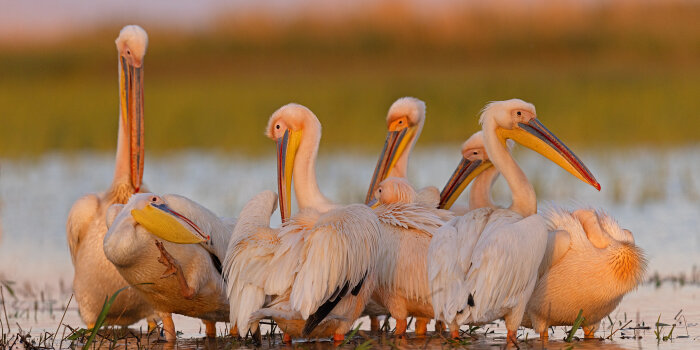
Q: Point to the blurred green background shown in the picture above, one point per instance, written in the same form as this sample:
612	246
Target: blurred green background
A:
618	74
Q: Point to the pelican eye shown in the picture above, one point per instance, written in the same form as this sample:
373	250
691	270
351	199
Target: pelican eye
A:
519	113
277	126
154	199
380	190
128	52
475	152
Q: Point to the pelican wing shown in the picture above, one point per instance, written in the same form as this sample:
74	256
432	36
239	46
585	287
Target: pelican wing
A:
338	253
449	260
80	219
504	266
247	259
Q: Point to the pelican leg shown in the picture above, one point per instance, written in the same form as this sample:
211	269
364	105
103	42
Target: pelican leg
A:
210	328
173	268
421	325
286	338
168	327
513	337
589	332
400	327
439	326
544	335
338	338
373	324
234	331
152	324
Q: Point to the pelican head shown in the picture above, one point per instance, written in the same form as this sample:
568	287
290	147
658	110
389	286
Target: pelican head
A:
144	216
474	162
394	190
286	126
404	123
517	120
131	47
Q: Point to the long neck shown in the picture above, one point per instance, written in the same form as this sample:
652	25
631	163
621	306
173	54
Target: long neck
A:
122	169
524	200
480	193
305	187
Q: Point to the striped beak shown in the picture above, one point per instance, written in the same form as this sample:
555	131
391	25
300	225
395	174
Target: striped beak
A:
465	173
164	222
396	143
536	136
287	147
131	99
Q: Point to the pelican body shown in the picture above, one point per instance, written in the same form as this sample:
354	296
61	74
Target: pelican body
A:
95	277
477	273
317	271
195	286
408	220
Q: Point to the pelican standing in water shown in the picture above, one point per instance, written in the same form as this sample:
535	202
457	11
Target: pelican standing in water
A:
590	262
484	265
196	288
318	268
407	228
95	277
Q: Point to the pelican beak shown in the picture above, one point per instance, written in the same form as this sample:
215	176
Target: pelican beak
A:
166	223
373	203
464	174
536	136
131	99
287	147
396	143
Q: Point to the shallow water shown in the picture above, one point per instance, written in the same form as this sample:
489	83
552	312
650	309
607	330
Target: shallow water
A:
654	193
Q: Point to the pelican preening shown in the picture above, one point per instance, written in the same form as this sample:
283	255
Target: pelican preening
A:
95	277
192	284
405	253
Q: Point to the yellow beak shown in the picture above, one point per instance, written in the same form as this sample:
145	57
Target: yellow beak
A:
537	137
131	103
287	147
163	222
465	173
394	146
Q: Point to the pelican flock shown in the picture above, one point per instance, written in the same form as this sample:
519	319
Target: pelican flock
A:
403	253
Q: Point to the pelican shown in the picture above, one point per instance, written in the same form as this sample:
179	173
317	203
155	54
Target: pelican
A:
95	277
407	224
484	265
195	286
590	262
318	268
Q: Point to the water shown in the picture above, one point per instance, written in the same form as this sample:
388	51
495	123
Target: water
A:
654	193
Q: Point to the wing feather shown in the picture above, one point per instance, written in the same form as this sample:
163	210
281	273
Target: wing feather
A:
504	266
80	218
341	248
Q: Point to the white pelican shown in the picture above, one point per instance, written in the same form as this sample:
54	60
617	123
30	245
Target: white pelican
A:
96	277
407	227
195	287
320	264
589	265
483	266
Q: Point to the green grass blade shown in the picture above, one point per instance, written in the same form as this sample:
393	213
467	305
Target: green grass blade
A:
576	326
